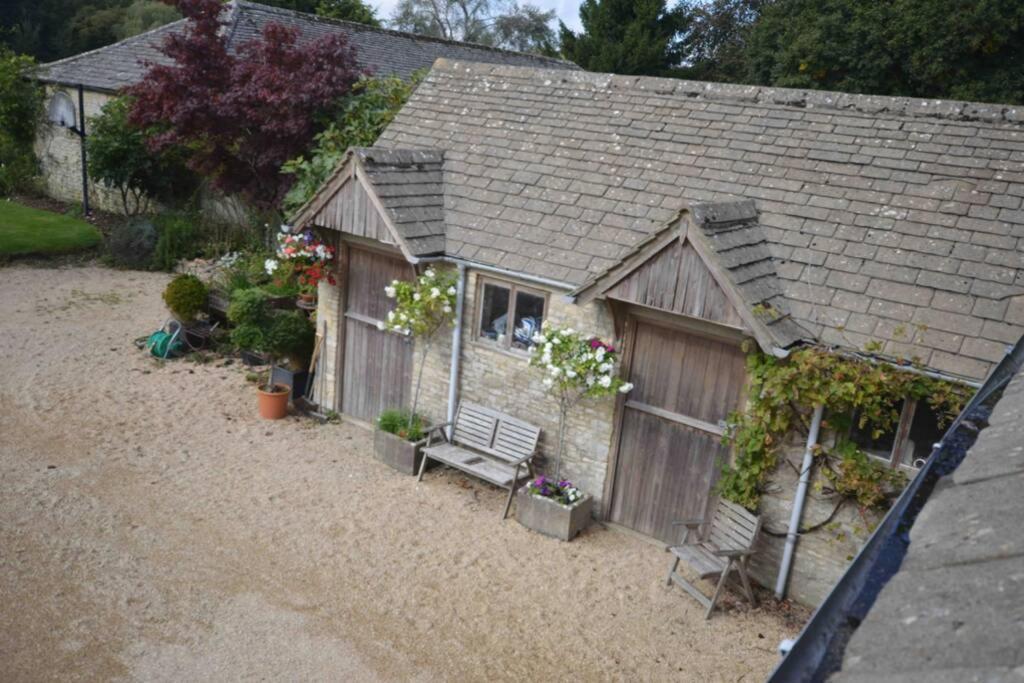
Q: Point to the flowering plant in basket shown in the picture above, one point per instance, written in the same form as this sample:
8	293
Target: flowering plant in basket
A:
308	256
560	491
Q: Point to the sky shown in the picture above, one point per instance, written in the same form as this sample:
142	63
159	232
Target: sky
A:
568	10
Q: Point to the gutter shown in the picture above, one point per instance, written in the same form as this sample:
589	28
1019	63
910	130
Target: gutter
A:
818	650
798	503
536	279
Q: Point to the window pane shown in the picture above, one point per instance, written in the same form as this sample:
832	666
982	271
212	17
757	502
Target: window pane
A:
529	316
879	446
924	433
494	313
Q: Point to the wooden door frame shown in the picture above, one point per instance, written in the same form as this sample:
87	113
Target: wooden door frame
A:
346	244
631	314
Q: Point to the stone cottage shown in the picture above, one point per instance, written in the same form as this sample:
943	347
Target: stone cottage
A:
106	71
680	218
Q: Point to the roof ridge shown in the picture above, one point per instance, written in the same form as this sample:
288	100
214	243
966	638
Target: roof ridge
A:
130	39
915	107
394	32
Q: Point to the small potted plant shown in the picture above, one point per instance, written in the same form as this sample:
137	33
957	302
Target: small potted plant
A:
576	368
307	257
554	508
398	440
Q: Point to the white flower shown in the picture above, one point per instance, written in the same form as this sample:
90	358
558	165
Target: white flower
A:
447	308
434	292
403	317
538	338
570	373
416	296
389	291
599	354
590	380
429	272
380	325
555	370
605	381
286	228
548	382
391	316
626	388
270	265
569	331
452	291
605	367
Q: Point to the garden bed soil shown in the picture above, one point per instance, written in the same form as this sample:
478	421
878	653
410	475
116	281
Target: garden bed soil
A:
155	528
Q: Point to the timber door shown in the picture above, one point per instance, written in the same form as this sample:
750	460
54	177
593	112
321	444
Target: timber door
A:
670	448
377	366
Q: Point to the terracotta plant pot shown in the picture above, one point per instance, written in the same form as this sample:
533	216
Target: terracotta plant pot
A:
273	405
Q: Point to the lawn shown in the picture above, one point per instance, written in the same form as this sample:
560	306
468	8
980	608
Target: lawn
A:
26	231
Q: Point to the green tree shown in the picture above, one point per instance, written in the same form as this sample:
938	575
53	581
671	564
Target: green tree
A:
498	23
716	39
120	159
144	15
21	104
627	37
348	10
919	48
358	122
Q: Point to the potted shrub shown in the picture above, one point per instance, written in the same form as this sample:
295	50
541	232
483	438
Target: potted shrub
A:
279	335
291	338
423	307
576	368
553	508
398	440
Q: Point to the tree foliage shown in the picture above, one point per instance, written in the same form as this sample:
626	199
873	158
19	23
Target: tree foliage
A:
21	102
120	158
358	122
358	11
241	115
509	24
627	37
52	29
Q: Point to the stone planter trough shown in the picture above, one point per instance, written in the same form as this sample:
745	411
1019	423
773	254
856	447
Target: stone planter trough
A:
398	453
552	518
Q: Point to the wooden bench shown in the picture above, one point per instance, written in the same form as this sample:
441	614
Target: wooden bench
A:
487	444
727	547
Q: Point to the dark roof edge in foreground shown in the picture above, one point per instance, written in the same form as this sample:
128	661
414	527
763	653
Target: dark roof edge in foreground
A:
818	650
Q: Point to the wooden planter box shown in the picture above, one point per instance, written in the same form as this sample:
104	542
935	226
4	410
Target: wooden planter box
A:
398	453
552	518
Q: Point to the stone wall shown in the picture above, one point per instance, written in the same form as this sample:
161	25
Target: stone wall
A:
60	156
324	389
504	381
822	555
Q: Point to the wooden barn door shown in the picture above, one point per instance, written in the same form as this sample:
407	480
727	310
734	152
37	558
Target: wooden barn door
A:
670	447
377	366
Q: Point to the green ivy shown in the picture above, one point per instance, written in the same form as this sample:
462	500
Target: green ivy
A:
782	393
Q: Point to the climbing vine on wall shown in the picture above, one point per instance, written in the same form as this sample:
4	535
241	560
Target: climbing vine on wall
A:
782	393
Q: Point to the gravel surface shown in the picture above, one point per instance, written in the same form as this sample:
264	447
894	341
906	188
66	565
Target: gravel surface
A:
153	528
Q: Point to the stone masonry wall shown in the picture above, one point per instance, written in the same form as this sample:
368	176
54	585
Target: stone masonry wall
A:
324	389
60	156
504	381
821	556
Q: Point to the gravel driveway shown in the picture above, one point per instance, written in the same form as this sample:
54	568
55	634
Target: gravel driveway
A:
152	528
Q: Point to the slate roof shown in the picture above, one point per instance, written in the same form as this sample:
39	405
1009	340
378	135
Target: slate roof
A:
889	219
381	51
955	609
740	245
409	185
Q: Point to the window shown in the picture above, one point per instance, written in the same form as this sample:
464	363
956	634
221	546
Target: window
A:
908	444
502	303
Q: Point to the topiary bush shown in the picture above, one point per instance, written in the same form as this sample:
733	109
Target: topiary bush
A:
290	336
185	296
130	244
